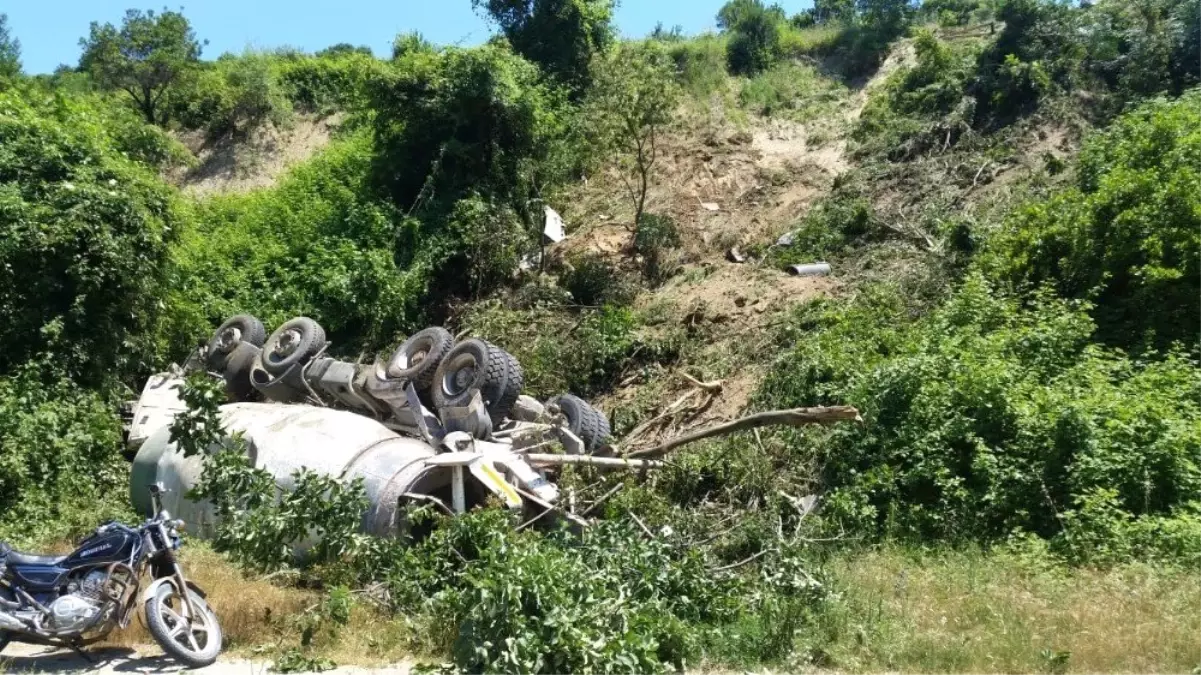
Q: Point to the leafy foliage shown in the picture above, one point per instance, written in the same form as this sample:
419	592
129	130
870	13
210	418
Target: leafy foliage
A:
754	35
146	58
233	96
10	51
561	36
987	418
631	104
84	243
60	455
319	243
1126	234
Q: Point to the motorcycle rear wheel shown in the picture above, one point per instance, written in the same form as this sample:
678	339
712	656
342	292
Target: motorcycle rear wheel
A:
194	643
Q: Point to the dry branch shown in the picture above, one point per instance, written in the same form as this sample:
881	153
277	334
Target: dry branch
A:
793	418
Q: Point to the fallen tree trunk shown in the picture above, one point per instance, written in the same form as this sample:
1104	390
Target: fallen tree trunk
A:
792	418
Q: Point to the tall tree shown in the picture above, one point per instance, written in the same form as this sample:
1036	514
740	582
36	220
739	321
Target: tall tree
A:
561	36
149	55
10	51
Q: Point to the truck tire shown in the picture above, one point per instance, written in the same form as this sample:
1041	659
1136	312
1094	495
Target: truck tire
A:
295	342
478	365
584	421
220	345
505	397
418	357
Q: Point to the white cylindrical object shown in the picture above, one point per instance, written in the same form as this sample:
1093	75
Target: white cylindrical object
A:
284	438
819	269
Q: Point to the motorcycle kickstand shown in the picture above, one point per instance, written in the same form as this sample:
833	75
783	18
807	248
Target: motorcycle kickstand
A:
78	649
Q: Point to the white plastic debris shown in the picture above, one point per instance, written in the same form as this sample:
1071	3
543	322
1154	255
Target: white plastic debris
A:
710	206
553	229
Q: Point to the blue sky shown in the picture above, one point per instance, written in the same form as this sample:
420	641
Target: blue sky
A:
49	30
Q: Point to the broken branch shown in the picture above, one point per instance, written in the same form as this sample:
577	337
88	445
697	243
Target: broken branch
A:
539	459
793	418
713	386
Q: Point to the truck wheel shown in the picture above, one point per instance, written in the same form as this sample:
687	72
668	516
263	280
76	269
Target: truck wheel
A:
235	330
295	342
583	420
505	396
417	358
476	364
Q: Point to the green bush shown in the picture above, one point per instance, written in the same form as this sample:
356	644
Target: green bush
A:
754	42
560	351
460	121
791	89
60	456
592	281
561	36
700	64
326	83
84	237
655	237
319	244
995	415
234	95
1125	235
922	107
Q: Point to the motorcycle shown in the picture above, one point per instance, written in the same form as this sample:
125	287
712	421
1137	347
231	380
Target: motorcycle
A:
77	599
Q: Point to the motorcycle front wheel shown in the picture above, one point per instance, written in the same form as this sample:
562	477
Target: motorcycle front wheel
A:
195	640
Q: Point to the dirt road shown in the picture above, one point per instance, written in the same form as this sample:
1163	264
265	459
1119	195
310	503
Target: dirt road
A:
22	658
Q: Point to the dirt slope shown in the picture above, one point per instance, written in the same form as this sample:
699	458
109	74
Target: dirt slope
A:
245	164
727	184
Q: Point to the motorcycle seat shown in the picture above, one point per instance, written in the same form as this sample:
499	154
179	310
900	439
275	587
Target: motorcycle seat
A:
14	558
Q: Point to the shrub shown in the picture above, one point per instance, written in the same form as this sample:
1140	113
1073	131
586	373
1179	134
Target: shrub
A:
790	89
1126	234
561	36
84	236
700	64
461	121
922	107
319	243
592	281
995	414
656	235
60	455
326	83
235	95
582	353
754	36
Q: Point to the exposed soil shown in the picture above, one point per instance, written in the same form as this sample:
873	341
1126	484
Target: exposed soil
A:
244	164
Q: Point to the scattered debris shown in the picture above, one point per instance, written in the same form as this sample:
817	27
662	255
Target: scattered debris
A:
710	206
553	229
734	255
819	269
786	239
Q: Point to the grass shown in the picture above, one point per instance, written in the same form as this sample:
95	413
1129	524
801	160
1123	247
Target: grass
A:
794	90
897	610
988	613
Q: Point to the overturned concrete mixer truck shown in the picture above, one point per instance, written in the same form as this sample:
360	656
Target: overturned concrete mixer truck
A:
440	422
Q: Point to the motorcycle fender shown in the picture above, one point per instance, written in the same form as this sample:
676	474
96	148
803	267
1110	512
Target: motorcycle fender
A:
153	588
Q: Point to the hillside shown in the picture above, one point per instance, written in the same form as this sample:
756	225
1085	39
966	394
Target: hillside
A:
1005	195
